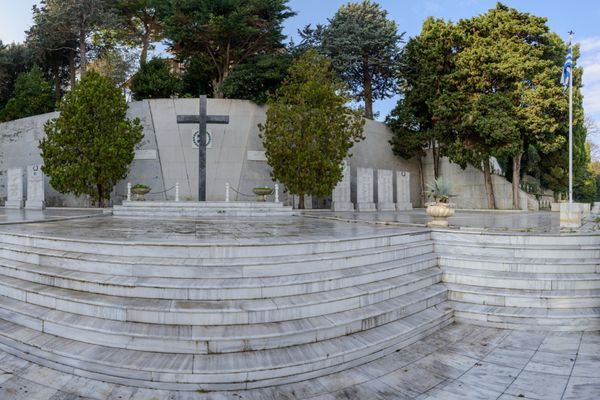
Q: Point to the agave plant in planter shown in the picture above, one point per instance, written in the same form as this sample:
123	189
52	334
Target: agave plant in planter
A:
441	208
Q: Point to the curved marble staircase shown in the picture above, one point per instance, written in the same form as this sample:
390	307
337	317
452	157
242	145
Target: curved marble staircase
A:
216	317
522	281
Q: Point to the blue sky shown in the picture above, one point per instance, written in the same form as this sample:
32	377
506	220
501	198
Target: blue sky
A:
582	16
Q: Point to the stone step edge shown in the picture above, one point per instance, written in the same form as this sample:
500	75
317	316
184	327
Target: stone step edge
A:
448	257
526	312
57	323
593	325
526	293
514	275
27	252
200	205
385	238
431	328
312	353
220	283
513	246
242	315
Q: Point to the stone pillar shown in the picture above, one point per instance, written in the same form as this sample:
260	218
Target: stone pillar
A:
403	191
385	190
35	188
570	215
341	197
364	190
14	188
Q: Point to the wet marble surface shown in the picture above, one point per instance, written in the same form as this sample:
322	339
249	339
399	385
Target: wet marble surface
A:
458	362
223	230
11	216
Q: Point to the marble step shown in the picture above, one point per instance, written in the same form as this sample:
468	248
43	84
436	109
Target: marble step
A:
523	297
150	205
518	240
247	267
573	319
521	280
213	288
514	264
493	251
217	339
221	371
203	312
236	252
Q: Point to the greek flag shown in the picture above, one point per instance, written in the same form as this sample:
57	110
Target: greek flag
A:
565	80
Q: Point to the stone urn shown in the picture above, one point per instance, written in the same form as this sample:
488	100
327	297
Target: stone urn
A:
140	192
262	192
440	212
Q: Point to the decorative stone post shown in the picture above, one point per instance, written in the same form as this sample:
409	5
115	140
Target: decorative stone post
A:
128	191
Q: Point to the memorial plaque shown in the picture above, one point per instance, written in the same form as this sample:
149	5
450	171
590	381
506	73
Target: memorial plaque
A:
341	196
403	191
14	188
35	188
364	190
385	190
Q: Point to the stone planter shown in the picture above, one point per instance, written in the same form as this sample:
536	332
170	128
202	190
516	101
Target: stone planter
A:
440	212
262	192
140	192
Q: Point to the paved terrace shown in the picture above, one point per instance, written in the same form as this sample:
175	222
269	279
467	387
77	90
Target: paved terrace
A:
456	363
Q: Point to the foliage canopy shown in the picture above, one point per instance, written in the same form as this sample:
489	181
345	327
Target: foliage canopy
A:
309	128
89	147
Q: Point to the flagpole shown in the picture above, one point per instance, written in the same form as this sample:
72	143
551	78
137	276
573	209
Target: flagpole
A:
571	125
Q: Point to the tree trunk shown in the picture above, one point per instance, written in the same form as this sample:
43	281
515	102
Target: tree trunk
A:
368	90
516	180
436	160
301	201
145	47
82	50
56	73
100	196
422	179
489	189
72	68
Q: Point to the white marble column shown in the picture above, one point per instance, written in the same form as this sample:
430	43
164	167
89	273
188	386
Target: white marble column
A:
14	187
385	190
364	190
35	188
341	196
403	191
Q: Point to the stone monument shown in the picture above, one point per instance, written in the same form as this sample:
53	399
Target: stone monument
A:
403	191
341	196
364	190
14	186
385	190
35	188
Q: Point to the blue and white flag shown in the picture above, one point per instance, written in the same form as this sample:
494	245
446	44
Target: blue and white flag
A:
565	80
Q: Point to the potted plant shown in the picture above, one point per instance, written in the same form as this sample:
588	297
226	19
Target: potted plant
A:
262	192
140	190
441	208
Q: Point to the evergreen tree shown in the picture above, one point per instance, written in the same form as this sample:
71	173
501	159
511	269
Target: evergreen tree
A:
154	80
89	147
229	32
33	95
309	128
364	46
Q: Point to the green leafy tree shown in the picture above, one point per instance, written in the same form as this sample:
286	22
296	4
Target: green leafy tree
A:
309	128
33	95
508	52
89	147
114	65
15	59
229	32
423	70
256	78
141	23
154	80
364	46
